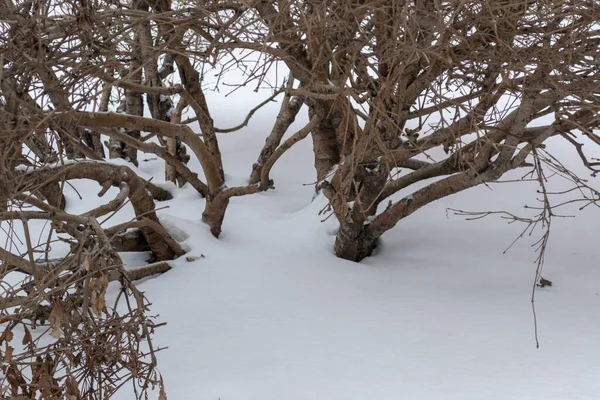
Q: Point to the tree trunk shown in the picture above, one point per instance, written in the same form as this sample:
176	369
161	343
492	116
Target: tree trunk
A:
353	242
214	213
176	148
325	146
134	106
286	117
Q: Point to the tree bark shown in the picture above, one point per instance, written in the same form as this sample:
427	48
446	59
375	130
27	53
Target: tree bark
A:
290	106
325	146
285	118
214	213
353	242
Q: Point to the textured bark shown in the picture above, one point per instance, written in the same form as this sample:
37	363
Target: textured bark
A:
317	117
5	195
290	106
214	210
285	118
170	171
354	243
214	213
61	102
147	271
133	102
325	146
134	106
178	151
194	96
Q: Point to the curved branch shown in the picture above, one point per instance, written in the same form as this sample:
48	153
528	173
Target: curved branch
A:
11	260
450	185
141	200
112	205
141	273
194	96
132	122
163	153
296	137
429	171
250	114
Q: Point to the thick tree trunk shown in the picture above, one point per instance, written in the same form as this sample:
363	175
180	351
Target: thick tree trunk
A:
135	106
176	148
325	146
170	172
134	102
353	242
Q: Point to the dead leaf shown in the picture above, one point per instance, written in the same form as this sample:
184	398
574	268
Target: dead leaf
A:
194	258
45	384
27	338
544	282
15	379
8	353
56	333
7	335
57	318
71	389
102	283
98	296
86	263
98	304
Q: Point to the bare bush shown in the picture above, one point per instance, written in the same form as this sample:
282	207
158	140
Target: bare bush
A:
407	102
462	92
61	336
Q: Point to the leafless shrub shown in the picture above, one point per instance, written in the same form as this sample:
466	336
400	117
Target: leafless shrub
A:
61	336
397	92
415	90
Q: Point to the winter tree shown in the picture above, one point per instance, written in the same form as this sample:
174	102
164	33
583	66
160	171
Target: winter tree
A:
423	98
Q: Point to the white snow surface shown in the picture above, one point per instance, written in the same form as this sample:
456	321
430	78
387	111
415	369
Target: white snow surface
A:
439	312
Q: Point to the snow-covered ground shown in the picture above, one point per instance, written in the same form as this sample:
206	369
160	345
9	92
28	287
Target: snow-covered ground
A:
438	313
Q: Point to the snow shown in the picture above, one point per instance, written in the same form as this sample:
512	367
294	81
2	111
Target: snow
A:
439	312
